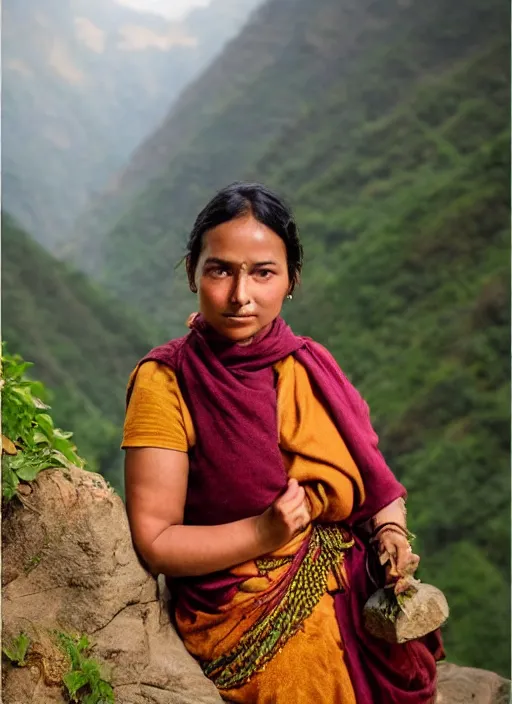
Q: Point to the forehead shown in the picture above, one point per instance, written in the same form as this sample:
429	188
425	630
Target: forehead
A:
243	239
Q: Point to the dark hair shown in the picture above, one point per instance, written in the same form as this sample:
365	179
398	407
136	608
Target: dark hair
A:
235	201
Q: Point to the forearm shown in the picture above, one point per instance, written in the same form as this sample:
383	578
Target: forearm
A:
394	512
186	551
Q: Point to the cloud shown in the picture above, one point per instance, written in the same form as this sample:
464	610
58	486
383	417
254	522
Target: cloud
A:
20	67
90	35
171	9
136	38
60	60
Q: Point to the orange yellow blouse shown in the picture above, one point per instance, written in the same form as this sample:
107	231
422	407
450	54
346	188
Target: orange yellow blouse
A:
157	415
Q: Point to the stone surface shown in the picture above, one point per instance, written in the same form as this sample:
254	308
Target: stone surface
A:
69	565
469	685
424	612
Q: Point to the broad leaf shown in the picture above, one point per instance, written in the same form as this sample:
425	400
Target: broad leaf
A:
74	681
29	472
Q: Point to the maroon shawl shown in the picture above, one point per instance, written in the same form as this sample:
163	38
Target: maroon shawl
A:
236	471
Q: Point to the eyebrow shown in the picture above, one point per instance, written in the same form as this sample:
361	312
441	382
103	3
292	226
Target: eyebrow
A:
225	262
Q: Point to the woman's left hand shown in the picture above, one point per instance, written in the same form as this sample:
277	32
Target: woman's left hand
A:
401	563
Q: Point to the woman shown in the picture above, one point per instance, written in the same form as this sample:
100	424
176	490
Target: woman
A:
252	472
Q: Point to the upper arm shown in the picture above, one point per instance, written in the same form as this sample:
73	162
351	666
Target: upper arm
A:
157	415
156	488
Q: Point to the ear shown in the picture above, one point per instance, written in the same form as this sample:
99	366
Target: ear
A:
191	275
294	283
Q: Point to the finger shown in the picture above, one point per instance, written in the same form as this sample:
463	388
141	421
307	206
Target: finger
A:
295	500
303	512
307	507
394	540
300	515
301	522
391	573
402	585
400	547
293	488
388	551
290	492
408	561
412	565
403	556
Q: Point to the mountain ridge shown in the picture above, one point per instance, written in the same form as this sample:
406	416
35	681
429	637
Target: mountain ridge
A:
205	162
94	80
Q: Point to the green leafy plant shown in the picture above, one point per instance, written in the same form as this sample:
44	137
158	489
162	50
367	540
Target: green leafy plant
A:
30	441
393	604
85	682
16	652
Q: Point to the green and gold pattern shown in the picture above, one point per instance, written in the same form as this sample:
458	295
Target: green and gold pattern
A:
305	585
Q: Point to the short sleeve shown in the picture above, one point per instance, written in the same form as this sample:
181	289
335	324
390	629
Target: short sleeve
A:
157	415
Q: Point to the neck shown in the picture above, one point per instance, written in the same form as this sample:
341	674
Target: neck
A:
257	336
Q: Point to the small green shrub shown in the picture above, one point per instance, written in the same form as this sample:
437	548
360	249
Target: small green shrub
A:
16	652
84	682
31	443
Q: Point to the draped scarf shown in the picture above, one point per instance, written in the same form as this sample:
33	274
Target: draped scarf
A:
236	470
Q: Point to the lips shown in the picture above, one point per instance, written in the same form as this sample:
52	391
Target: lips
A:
238	317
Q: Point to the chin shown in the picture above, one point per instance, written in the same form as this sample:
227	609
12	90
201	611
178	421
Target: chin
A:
235	332
239	335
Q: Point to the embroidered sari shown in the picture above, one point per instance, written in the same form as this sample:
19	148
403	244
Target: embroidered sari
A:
287	625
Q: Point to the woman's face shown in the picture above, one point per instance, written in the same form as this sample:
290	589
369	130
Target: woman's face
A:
241	277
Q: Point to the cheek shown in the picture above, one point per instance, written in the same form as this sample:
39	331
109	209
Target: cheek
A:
272	295
213	294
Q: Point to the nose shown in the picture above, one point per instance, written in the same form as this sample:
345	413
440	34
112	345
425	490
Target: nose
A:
240	292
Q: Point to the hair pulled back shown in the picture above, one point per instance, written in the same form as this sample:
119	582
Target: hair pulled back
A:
240	199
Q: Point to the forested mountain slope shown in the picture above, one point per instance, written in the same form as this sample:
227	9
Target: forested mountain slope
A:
386	125
84	81
416	309
342	66
83	345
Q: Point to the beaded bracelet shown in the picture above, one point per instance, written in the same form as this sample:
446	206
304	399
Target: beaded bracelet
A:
388	529
402	529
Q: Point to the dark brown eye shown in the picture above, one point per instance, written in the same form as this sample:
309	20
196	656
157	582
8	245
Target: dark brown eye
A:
219	272
264	273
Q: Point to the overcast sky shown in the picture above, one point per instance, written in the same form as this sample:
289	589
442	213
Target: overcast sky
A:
170	8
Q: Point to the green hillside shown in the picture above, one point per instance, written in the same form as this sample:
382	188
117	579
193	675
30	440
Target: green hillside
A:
386	126
416	309
331	68
82	344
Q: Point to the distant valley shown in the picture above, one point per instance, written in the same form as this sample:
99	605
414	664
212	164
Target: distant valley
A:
83	83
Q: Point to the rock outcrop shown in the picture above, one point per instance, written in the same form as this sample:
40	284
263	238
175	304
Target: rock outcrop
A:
469	685
69	565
